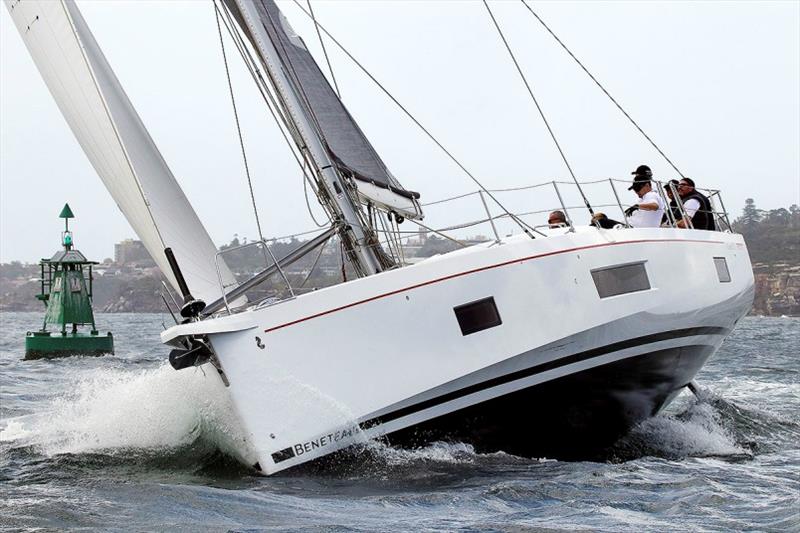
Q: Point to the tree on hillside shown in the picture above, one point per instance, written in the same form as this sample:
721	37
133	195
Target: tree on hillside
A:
772	236
794	216
16	269
750	218
777	217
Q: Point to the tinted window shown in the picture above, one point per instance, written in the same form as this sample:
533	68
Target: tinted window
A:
722	269
477	316
611	281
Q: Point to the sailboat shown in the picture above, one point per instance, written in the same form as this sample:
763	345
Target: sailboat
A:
542	343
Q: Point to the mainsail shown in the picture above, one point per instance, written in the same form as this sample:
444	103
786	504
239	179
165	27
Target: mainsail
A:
116	142
345	143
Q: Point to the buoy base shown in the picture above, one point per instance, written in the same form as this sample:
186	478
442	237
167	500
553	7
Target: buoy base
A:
47	344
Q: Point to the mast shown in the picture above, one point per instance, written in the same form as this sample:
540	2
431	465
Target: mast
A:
336	191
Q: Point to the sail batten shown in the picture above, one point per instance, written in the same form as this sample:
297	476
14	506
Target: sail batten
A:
116	141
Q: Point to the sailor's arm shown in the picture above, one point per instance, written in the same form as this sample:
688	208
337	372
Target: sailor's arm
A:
690	208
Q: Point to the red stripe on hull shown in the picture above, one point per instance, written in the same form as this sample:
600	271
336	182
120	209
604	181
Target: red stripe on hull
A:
481	269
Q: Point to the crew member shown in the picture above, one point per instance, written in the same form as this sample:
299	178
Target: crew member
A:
600	220
557	219
673	203
697	207
648	211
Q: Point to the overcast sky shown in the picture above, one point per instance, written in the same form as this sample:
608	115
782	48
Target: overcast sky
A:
715	84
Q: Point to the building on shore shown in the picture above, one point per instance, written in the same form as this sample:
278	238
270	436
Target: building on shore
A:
132	253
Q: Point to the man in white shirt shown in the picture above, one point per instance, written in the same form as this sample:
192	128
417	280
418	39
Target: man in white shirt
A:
647	213
697	207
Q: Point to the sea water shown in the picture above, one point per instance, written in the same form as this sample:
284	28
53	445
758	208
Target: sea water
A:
124	442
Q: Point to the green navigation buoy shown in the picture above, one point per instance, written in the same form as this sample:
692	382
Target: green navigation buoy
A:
67	295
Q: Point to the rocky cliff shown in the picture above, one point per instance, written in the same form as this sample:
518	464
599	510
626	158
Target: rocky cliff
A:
777	289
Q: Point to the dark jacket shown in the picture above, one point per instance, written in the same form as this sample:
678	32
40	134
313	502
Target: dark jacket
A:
703	218
606	223
675	210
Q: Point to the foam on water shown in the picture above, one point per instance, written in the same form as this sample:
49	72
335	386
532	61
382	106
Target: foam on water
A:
110	410
767	392
698	431
439	452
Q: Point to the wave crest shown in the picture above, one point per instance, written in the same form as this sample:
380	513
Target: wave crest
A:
113	411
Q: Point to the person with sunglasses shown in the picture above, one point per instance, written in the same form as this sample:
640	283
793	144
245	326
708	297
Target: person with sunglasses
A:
649	210
697	207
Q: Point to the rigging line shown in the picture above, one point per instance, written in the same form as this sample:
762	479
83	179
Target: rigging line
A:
395	227
238	126
391	237
269	100
538	107
266	249
293	235
273	107
525	227
314	265
458	197
278	114
255	72
308	204
344	270
602	88
437	232
354	255
386	233
294	78
399	241
324	50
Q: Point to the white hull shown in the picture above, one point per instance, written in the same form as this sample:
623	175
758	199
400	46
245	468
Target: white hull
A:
385	354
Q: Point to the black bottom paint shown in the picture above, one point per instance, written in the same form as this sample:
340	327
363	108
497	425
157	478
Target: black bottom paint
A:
574	417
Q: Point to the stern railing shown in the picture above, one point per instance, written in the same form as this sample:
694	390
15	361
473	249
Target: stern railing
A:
446	217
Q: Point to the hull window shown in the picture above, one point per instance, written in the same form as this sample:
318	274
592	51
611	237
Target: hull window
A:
477	316
722	269
623	279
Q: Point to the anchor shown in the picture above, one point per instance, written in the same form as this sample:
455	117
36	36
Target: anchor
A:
197	353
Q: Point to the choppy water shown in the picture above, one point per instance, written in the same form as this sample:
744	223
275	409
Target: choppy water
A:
125	443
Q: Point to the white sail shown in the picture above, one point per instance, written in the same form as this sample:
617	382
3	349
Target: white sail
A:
116	142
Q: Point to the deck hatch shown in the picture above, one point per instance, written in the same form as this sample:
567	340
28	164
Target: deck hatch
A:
723	273
477	316
620	279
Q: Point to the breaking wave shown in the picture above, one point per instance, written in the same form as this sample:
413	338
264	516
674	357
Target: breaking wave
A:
699	431
708	427
113	411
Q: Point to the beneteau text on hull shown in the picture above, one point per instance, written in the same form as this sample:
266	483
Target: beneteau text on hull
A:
551	342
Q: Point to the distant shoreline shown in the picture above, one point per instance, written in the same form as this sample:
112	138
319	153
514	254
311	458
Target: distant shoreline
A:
777	291
132	284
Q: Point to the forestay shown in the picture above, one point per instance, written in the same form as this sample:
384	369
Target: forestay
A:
346	144
116	142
